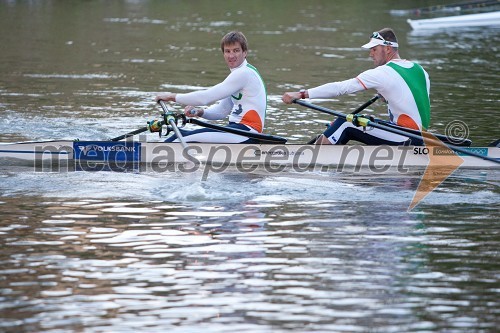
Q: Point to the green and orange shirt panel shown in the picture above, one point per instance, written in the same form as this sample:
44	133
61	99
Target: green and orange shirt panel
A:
403	84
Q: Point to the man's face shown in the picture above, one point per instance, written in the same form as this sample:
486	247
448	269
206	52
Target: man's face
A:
379	55
234	55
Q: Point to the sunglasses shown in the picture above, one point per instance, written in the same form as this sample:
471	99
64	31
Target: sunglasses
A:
378	36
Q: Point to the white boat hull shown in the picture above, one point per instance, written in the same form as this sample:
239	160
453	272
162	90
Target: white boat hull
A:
472	20
85	153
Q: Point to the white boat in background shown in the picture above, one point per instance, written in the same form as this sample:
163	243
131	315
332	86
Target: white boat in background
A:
87	154
471	20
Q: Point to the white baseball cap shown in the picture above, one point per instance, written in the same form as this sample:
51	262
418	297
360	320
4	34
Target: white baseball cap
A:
377	39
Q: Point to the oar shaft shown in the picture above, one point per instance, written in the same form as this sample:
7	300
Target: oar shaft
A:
124	136
366	104
171	121
258	136
393	130
463	142
320	108
446	139
430	141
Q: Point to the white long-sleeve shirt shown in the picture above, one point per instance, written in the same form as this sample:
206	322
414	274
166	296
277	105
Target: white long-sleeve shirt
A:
408	102
242	96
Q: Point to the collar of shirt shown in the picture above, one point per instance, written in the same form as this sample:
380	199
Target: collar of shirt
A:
243	64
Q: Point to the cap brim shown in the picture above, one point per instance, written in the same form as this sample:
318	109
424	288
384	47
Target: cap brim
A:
370	44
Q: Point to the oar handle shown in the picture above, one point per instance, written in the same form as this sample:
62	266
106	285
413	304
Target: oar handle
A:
163	105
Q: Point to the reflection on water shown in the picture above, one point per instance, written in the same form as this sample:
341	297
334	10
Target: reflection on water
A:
256	252
260	266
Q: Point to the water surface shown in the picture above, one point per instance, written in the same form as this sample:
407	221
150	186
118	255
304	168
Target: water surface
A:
297	250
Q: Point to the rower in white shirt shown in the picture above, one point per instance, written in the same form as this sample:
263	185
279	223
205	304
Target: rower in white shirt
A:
403	84
242	96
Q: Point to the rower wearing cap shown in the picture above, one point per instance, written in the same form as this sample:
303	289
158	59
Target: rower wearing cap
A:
403	84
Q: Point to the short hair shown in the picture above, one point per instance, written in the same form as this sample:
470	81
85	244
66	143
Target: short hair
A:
388	34
232	38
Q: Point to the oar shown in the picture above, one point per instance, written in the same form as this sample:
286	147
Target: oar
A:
366	104
137	131
358	110
363	121
445	139
450	140
171	121
258	136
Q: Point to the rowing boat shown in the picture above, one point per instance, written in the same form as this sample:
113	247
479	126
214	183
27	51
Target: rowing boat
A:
471	20
439	151
89	153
